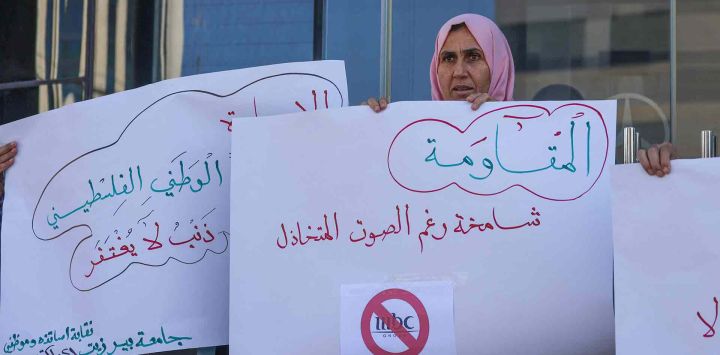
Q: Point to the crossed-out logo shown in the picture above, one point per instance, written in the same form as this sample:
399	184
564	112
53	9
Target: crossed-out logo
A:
395	322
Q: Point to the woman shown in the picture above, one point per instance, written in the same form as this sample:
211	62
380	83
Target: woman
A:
473	62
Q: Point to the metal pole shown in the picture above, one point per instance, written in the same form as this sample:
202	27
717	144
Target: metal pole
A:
319	30
90	53
630	145
673	70
385	47
707	143
35	83
156	58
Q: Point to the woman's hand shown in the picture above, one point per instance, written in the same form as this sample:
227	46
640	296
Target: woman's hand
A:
7	158
656	160
376	105
478	99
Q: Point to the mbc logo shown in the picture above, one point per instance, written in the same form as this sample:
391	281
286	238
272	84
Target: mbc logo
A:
390	325
394	324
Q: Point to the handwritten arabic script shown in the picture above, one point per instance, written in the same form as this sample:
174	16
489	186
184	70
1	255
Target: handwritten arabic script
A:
80	341
147	227
711	327
127	204
493	155
401	226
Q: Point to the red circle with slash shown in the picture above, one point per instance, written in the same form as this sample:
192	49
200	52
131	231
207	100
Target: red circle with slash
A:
415	345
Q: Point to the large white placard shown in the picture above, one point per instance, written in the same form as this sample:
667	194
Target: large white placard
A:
510	204
115	230
667	259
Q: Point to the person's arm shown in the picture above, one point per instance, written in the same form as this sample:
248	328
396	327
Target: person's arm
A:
7	158
656	159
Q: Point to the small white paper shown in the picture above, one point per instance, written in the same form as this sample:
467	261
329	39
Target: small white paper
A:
415	317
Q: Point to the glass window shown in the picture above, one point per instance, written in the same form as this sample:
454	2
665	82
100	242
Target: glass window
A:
224	35
352	34
617	50
698	73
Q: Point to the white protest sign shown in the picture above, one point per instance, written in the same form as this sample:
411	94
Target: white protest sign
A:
667	259
509	203
397	317
115	230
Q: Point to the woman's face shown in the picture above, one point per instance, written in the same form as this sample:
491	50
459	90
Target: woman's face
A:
462	70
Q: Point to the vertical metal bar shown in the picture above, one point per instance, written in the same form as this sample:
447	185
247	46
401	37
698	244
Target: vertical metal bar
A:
385	47
630	145
157	16
673	70
90	53
707	144
319	30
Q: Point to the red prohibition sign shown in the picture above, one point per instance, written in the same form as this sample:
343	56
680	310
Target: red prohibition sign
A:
415	345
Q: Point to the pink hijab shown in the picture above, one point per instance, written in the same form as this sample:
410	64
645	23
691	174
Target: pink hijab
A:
497	54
